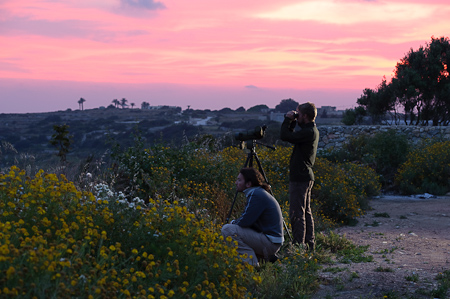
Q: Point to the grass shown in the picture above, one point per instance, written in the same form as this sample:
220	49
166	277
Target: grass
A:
383	269
442	291
373	224
384	215
334	269
413	277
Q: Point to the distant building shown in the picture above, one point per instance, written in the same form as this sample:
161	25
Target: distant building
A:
329	111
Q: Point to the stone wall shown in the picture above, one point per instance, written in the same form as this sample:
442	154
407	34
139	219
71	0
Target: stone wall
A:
334	136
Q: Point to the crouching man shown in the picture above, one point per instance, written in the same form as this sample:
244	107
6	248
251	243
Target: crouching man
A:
259	230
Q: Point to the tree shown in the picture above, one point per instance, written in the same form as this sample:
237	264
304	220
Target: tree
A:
145	105
80	103
353	116
116	102
240	109
286	105
123	103
377	102
420	86
132	105
61	140
258	108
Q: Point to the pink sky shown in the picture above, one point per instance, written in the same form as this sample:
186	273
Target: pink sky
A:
204	53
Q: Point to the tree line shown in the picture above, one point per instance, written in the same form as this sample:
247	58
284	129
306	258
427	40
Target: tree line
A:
418	94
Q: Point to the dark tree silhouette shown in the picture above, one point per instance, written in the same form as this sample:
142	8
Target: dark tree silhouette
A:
258	108
286	105
80	103
116	102
123	103
61	140
420	87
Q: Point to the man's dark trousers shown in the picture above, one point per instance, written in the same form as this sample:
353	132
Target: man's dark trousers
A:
302	221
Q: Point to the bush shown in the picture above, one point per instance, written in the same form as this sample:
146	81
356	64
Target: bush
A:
427	169
205	178
341	190
56	241
384	152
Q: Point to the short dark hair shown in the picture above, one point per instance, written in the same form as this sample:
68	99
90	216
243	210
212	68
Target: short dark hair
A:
308	109
254	177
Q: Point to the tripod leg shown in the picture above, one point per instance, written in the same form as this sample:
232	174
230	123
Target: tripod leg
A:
265	178
249	161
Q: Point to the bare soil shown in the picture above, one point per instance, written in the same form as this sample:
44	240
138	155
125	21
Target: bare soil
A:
409	239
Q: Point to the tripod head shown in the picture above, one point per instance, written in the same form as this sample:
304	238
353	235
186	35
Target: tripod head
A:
251	144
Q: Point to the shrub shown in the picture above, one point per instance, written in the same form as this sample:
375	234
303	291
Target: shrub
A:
56	241
384	152
205	179
341	190
427	169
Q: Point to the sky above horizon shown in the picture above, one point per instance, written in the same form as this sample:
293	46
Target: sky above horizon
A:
205	54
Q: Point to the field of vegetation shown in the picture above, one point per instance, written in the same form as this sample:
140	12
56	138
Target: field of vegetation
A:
146	222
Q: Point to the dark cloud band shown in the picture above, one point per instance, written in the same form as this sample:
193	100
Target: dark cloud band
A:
147	4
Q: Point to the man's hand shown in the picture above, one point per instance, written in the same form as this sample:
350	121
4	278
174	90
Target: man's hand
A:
290	114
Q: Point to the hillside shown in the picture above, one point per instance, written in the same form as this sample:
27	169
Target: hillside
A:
93	130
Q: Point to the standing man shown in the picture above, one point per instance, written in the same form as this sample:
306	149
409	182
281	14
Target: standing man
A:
301	176
259	230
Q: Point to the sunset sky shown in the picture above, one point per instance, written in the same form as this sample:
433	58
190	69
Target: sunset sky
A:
207	54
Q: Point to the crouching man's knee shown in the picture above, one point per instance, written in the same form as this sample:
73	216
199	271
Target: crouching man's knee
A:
229	230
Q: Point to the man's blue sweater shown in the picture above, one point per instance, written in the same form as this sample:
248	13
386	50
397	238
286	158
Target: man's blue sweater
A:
263	214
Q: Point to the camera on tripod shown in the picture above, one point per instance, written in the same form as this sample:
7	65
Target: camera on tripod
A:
257	133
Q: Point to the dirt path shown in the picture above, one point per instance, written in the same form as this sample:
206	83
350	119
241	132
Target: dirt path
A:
410	245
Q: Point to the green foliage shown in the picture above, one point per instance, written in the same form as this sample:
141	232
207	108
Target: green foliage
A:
384	152
286	105
353	116
384	215
349	117
257	108
426	169
383	269
413	277
61	140
58	242
420	86
344	248
342	190
444	285
294	276
196	173
160	234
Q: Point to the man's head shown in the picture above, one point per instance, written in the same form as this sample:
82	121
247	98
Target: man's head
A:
250	177
307	112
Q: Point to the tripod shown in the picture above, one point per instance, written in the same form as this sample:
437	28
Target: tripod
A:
249	163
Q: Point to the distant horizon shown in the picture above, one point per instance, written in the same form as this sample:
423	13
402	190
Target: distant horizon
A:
17	96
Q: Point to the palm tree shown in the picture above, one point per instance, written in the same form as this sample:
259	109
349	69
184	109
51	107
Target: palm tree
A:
132	105
116	102
145	105
123	103
80	103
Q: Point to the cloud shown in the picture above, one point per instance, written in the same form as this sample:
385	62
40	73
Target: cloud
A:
251	87
90	30
350	12
147	4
